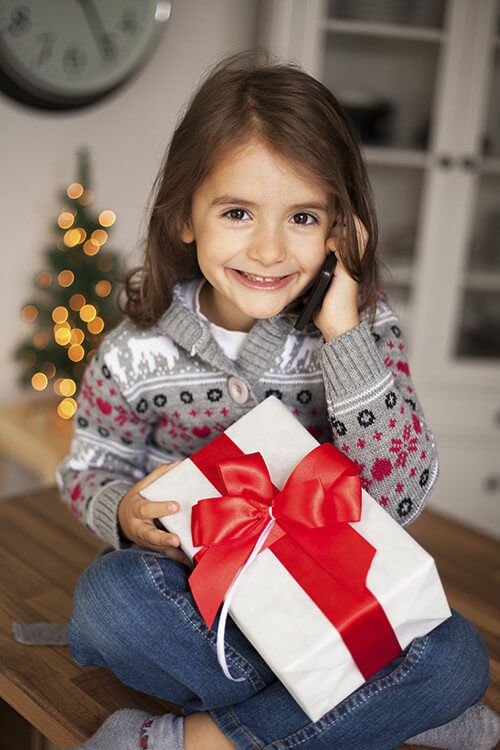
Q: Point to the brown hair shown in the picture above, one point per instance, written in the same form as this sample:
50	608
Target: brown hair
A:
248	96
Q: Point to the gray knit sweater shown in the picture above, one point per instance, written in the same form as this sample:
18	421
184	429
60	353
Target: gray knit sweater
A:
150	397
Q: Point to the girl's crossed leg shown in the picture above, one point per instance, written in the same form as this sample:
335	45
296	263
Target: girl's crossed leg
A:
134	613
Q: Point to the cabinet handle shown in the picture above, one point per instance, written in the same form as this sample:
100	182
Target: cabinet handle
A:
496	418
492	483
470	163
445	161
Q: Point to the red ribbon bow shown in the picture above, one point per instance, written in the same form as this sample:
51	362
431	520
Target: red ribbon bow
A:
311	537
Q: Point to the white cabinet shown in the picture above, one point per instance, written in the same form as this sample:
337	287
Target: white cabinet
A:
421	81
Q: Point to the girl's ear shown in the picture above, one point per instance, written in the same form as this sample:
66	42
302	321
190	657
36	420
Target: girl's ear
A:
187	234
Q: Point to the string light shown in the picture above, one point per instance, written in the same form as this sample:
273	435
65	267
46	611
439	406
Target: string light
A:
67	408
39	381
65	220
91	247
107	218
40	340
86	198
29	313
103	288
67	387
44	279
75	322
74	190
76	353
59	314
88	313
96	325
49	369
105	264
99	235
66	278
77	336
76	301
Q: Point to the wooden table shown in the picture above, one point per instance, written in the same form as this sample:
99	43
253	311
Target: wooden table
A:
43	550
34	436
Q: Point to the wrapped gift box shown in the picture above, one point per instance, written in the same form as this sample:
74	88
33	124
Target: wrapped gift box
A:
321	629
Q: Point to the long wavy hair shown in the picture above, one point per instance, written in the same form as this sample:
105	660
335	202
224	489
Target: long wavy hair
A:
245	97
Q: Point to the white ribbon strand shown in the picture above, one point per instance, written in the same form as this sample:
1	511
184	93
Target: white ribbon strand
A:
221	657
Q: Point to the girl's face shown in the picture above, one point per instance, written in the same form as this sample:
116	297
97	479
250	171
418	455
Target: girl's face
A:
254	214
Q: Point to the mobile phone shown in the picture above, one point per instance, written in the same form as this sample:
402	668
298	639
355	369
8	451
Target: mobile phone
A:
318	291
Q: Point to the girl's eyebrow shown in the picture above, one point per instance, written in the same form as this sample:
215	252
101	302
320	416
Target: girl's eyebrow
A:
224	200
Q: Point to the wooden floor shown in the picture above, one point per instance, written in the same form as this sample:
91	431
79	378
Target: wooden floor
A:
43	550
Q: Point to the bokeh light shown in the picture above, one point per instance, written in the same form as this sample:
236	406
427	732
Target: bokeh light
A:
76	301
107	218
65	220
66	278
88	313
66	408
99	235
96	325
59	314
39	381
29	313
74	190
76	353
67	387
91	247
103	288
44	279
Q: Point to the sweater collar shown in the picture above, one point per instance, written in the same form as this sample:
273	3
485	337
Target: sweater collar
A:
260	347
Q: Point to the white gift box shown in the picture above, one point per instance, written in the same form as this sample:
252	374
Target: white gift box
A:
285	626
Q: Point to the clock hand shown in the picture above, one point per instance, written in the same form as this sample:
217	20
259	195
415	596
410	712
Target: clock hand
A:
101	37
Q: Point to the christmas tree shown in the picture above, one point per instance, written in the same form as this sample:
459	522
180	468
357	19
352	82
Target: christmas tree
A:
75	302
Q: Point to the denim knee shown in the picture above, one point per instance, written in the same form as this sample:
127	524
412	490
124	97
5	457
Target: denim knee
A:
100	617
461	663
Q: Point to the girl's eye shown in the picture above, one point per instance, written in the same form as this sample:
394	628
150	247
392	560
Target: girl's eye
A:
242	210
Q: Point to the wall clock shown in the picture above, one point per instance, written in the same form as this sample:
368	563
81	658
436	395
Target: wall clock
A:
68	54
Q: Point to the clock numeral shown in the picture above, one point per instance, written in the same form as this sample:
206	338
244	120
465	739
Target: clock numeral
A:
48	40
108	47
20	21
74	60
129	21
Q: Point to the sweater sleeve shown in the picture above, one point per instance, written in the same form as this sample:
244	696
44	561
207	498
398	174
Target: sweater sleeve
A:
108	451
375	414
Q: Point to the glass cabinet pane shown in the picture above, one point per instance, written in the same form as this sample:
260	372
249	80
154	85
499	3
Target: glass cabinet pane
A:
385	84
427	13
478	324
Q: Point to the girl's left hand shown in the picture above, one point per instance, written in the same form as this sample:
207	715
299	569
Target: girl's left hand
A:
339	310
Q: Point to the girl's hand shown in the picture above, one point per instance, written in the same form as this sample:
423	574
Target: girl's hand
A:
136	517
339	310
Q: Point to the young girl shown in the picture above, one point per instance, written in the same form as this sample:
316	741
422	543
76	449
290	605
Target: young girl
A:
263	177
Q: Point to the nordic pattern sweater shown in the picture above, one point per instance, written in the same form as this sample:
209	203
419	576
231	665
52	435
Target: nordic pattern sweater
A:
148	397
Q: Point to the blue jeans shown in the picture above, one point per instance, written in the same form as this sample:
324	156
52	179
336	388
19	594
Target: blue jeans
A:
133	612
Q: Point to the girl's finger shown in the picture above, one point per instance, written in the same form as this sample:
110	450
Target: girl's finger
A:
152	535
157	508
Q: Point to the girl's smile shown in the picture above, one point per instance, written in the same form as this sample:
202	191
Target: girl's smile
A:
255	215
260	283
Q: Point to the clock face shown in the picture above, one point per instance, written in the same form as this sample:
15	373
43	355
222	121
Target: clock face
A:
60	54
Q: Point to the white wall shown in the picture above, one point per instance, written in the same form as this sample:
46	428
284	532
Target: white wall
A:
127	134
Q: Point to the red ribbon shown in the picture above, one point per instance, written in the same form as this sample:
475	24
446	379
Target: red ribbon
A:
312	538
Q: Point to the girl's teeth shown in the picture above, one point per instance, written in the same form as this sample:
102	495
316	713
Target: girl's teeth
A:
261	278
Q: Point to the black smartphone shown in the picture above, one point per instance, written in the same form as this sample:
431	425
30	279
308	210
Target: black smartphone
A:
317	292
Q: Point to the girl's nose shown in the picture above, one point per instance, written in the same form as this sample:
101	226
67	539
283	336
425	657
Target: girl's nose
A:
267	251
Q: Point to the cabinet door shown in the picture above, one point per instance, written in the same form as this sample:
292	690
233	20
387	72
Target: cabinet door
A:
475	335
461	305
391	65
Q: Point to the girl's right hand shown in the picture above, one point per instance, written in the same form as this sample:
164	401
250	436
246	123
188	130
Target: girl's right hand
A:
136	517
